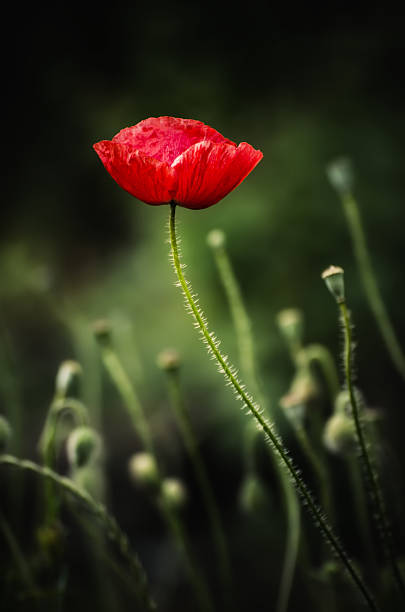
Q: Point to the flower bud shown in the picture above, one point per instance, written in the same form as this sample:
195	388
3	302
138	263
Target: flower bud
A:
83	447
339	434
102	331
334	280
143	469
168	360
69	371
252	495
174	493
340	175
5	433
216	239
302	391
291	323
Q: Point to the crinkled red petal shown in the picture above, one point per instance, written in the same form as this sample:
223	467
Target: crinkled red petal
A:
145	178
165	138
207	172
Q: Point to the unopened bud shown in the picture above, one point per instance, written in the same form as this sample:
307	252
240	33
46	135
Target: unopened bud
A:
168	360
5	433
216	239
334	280
143	469
102	331
83	446
291	323
174	493
339	434
68	373
340	174
252	495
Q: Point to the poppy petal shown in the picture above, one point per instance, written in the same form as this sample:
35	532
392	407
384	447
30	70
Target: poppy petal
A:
165	138
145	178
207	172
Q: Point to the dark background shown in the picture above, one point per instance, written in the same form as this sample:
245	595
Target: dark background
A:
302	85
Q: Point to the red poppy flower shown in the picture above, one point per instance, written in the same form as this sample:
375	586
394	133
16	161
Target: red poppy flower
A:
164	159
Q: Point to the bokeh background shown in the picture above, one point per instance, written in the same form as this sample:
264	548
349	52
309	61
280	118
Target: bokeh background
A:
303	87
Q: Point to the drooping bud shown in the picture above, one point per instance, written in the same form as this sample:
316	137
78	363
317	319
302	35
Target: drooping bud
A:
302	391
339	435
168	360
174	493
68	373
216	239
83	447
291	324
253	497
102	331
334	280
340	174
5	433
143	469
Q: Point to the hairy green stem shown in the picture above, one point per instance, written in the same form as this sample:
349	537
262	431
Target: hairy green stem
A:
370	473
370	284
108	522
319	469
265	426
243	329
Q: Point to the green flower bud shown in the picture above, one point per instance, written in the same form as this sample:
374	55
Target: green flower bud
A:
69	371
334	280
340	174
339	435
216	239
253	497
5	433
174	493
291	324
102	331
84	446
143	469
168	360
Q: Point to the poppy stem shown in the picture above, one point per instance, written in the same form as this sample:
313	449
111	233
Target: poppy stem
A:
98	510
243	329
370	472
265	425
140	423
370	285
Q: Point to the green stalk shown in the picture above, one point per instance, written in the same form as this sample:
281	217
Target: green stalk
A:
185	426
19	559
268	429
108	522
370	473
369	282
243	329
319	469
135	410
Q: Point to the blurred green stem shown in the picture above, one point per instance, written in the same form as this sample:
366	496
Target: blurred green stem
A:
135	410
243	330
129	396
266	426
320	470
320	354
19	559
109	523
370	473
369	282
185	426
